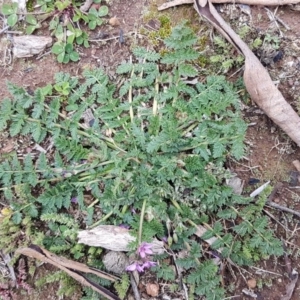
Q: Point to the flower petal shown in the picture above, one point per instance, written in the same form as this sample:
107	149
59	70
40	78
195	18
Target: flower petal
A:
140	268
132	267
148	264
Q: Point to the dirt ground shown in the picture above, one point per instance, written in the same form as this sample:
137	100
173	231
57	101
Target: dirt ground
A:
270	152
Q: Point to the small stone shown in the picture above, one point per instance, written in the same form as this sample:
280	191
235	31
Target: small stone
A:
114	22
115	261
251	283
152	289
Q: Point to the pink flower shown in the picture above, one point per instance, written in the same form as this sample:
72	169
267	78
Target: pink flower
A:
148	264
74	200
144	249
135	266
124	226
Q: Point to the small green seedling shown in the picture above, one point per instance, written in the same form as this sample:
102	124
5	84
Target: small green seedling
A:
65	27
10	10
65	24
63	88
65	52
272	40
32	24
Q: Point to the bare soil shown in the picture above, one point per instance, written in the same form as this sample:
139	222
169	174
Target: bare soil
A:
270	152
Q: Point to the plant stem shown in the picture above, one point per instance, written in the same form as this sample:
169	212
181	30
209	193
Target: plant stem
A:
175	203
155	97
124	209
141	221
93	203
130	98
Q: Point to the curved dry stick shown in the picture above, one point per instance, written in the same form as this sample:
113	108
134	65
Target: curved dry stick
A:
249	2
257	80
174	3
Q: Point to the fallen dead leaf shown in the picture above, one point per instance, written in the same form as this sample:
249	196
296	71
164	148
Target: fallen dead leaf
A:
152	289
114	21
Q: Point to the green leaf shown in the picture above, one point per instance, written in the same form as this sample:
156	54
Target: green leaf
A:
86	44
36	134
17	217
12	20
68	48
186	70
93	12
74	56
103	11
31	20
66	58
79	40
61	5
30	29
100	21
47	90
124	68
70	37
146	54
78	32
92	25
58	48
76	18
8	9
16	126
60	57
85	18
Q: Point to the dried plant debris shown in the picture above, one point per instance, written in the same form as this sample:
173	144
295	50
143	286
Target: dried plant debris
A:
291	286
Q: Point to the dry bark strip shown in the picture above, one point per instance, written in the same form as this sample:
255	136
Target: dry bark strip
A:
29	45
113	238
249	2
257	80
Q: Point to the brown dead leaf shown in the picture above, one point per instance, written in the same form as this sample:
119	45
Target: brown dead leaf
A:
152	289
114	21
